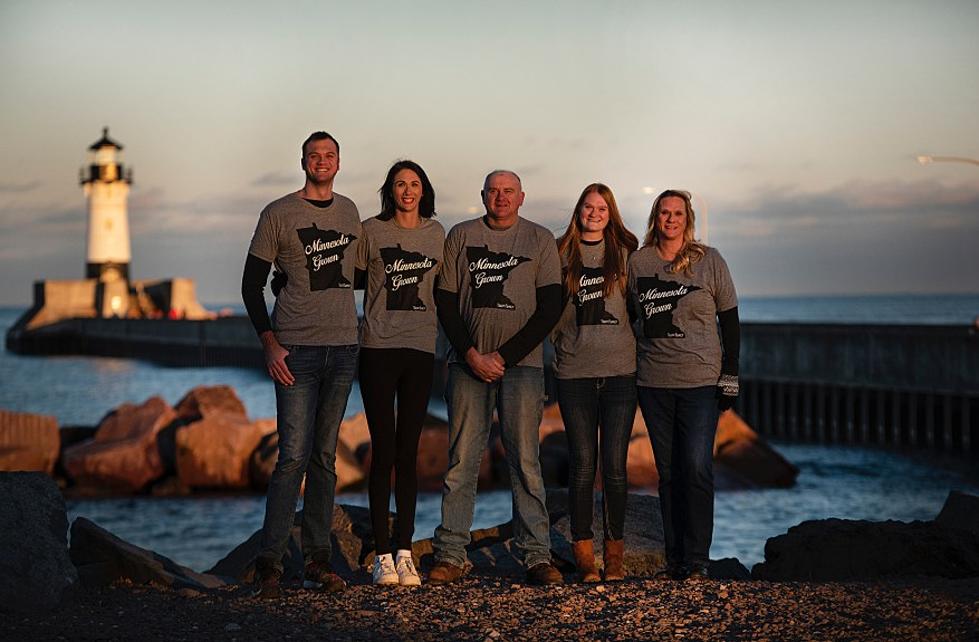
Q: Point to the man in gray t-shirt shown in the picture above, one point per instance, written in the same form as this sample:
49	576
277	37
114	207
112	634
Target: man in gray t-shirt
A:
310	346
498	296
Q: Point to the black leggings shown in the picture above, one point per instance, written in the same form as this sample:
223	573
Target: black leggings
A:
384	373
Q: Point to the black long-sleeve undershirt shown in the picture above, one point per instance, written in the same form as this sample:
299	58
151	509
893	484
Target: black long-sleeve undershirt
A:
520	344
540	323
447	307
253	279
730	340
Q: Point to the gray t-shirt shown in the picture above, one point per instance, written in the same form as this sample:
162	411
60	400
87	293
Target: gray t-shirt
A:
678	341
593	337
316	248
496	274
402	265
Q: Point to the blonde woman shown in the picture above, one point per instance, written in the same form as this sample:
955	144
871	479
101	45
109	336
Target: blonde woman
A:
681	291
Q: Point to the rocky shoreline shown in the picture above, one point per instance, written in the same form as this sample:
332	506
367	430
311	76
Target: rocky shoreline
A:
207	443
823	580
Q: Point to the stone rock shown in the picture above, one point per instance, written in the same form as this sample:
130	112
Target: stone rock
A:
645	551
124	455
350	473
36	573
103	558
741	454
555	460
640	464
728	568
551	421
839	549
433	454
28	442
262	462
354	432
961	510
732	428
215	451
351	542
204	401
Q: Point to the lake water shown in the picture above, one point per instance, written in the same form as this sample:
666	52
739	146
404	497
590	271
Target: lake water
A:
834	481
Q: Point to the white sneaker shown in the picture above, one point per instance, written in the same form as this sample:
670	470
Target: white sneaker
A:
407	574
384	573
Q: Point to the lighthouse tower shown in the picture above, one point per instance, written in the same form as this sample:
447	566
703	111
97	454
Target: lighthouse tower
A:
106	184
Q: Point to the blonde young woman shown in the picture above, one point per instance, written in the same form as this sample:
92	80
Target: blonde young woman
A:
595	369
682	292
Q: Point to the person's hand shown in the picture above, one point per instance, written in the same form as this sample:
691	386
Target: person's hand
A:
275	359
487	367
727	391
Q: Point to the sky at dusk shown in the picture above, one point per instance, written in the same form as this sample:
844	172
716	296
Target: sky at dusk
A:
795	124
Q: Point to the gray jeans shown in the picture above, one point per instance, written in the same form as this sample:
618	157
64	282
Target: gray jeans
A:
519	399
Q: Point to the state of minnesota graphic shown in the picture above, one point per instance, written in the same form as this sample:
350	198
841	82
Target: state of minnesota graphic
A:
658	299
590	300
324	256
403	273
488	273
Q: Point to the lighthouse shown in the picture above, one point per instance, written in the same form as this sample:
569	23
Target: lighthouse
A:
106	184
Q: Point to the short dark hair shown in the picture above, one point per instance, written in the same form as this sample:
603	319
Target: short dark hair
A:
315	136
426	206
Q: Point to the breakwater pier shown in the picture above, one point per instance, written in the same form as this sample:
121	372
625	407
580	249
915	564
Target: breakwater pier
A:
900	386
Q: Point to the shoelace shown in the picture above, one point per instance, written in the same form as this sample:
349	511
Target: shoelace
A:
387	566
407	562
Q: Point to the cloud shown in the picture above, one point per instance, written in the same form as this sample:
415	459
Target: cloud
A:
275	179
870	205
19	188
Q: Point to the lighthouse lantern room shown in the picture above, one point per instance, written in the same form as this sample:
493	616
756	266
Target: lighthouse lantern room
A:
106	184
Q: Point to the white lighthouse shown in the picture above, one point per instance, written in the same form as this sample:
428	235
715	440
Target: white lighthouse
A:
106	184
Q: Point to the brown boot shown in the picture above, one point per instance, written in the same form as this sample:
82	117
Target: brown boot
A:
584	559
613	560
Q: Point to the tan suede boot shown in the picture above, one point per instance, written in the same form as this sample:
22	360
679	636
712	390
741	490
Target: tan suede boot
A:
613	554
584	559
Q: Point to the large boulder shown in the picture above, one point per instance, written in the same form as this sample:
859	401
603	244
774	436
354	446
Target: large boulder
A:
28	442
840	549
124	455
433	454
35	571
645	552
102	558
354	433
351	541
640	463
215	451
740	454
351	474
961	510
205	401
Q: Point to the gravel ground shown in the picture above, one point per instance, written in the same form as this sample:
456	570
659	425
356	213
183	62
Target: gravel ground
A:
482	608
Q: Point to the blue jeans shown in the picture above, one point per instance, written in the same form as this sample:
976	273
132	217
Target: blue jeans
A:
587	406
682	423
308	416
519	399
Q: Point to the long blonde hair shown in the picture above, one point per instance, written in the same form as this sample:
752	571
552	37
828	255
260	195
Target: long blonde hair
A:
616	237
692	250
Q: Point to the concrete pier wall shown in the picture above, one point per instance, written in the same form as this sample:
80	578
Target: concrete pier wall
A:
914	387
